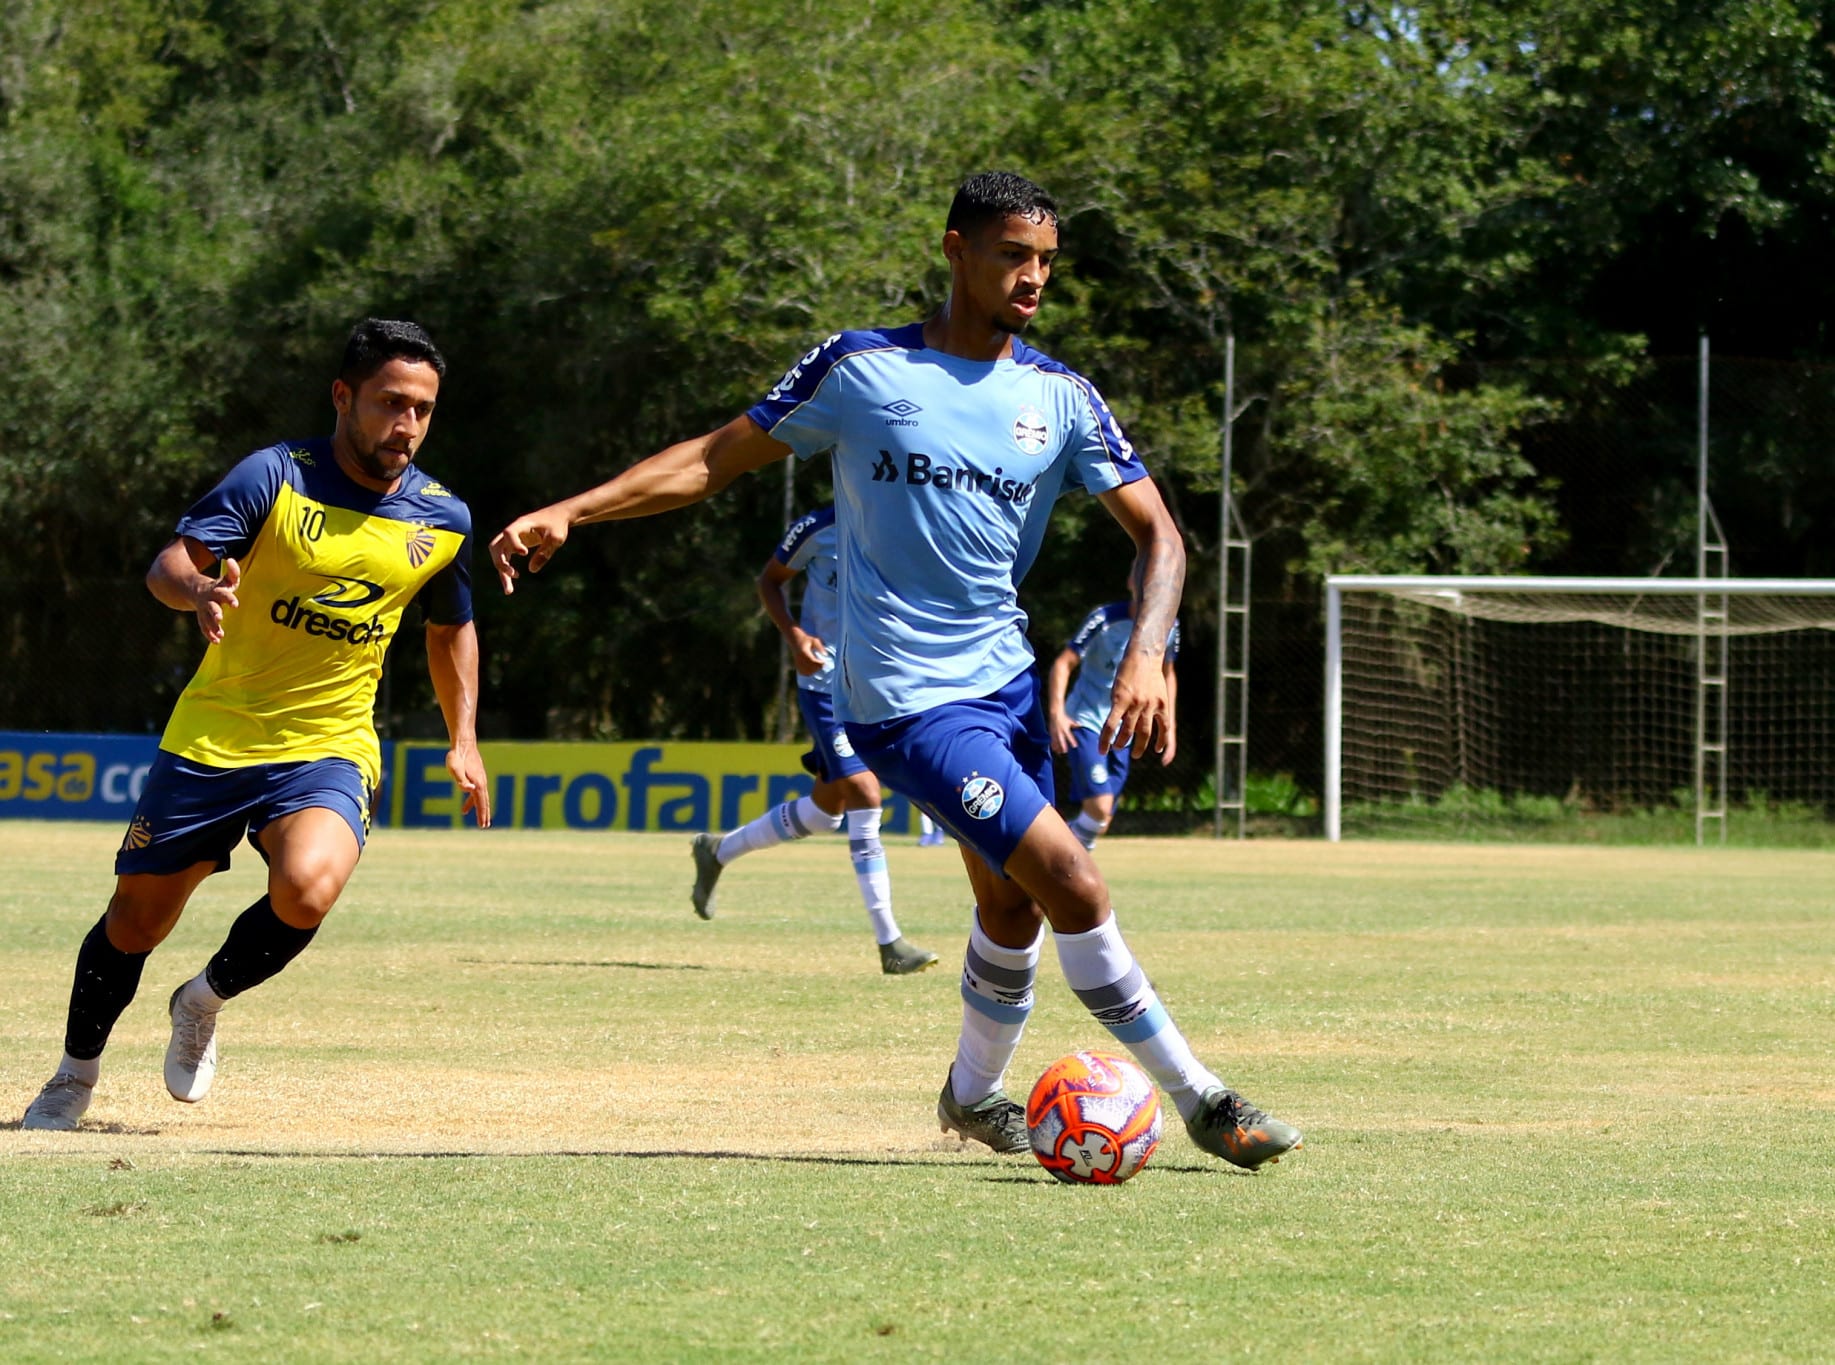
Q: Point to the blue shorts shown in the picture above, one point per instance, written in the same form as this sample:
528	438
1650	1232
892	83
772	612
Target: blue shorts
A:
981	768
832	756
1092	772
192	813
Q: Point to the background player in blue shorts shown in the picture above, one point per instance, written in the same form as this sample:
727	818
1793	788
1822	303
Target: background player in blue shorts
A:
844	788
951	439
298	566
1076	714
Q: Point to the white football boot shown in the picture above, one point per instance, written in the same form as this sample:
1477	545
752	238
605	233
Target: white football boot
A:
191	1056
63	1101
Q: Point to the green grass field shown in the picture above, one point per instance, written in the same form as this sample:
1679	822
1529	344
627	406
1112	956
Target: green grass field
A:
1560	1104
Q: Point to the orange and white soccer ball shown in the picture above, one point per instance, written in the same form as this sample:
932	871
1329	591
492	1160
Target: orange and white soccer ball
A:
1094	1118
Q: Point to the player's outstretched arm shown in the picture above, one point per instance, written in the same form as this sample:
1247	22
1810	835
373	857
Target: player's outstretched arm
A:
807	652
1140	711
676	476
452	662
180	578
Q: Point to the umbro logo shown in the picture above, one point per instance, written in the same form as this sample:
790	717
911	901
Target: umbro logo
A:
902	410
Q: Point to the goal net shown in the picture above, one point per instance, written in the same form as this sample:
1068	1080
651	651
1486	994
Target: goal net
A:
1460	702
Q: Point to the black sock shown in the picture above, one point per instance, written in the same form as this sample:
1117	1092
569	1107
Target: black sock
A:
106	979
260	943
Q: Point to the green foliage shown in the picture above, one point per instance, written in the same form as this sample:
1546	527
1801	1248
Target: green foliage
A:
624	219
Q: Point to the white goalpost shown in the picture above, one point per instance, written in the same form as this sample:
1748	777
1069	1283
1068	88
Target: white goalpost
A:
1471	693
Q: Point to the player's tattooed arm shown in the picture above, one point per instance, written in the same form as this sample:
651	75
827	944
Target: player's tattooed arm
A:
676	476
180	578
1140	711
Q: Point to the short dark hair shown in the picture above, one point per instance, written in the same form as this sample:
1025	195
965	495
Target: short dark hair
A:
374	342
996	195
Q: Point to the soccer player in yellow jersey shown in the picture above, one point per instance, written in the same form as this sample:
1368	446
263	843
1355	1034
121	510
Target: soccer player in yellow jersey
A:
298	566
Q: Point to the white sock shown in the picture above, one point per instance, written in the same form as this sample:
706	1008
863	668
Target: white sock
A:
85	1069
1111	985
199	996
1086	827
793	820
996	1000
870	872
925	824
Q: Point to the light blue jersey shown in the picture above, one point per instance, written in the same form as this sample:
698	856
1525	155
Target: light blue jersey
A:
1099	644
811	547
944	471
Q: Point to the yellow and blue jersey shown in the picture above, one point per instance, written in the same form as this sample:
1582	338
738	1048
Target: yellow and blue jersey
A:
327	568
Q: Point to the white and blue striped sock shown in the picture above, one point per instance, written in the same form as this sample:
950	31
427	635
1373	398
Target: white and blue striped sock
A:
1109	982
870	871
793	820
996	1001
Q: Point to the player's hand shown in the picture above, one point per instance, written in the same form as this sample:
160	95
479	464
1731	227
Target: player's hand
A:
1063	734
467	768
808	655
538	534
214	596
1140	716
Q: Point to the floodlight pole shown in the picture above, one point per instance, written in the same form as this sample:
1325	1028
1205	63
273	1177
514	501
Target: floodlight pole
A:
1713	651
1701	462
1223	583
1230	777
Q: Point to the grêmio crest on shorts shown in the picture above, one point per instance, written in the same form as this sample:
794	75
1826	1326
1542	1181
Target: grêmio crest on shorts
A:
945	472
328	568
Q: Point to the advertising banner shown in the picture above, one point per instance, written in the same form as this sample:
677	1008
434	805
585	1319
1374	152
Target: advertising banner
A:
670	785
73	777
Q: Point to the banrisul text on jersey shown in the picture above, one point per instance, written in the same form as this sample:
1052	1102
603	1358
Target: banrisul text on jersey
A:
944	468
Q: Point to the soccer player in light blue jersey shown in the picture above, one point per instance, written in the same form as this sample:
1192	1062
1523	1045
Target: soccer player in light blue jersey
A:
951	439
845	790
1076	713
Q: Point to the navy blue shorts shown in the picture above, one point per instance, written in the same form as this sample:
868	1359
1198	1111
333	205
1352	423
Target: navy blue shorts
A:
1092	772
832	756
192	813
981	768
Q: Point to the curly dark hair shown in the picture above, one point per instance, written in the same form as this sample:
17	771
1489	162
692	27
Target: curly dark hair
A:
374	342
993	196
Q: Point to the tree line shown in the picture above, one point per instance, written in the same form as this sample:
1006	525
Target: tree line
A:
1447	239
